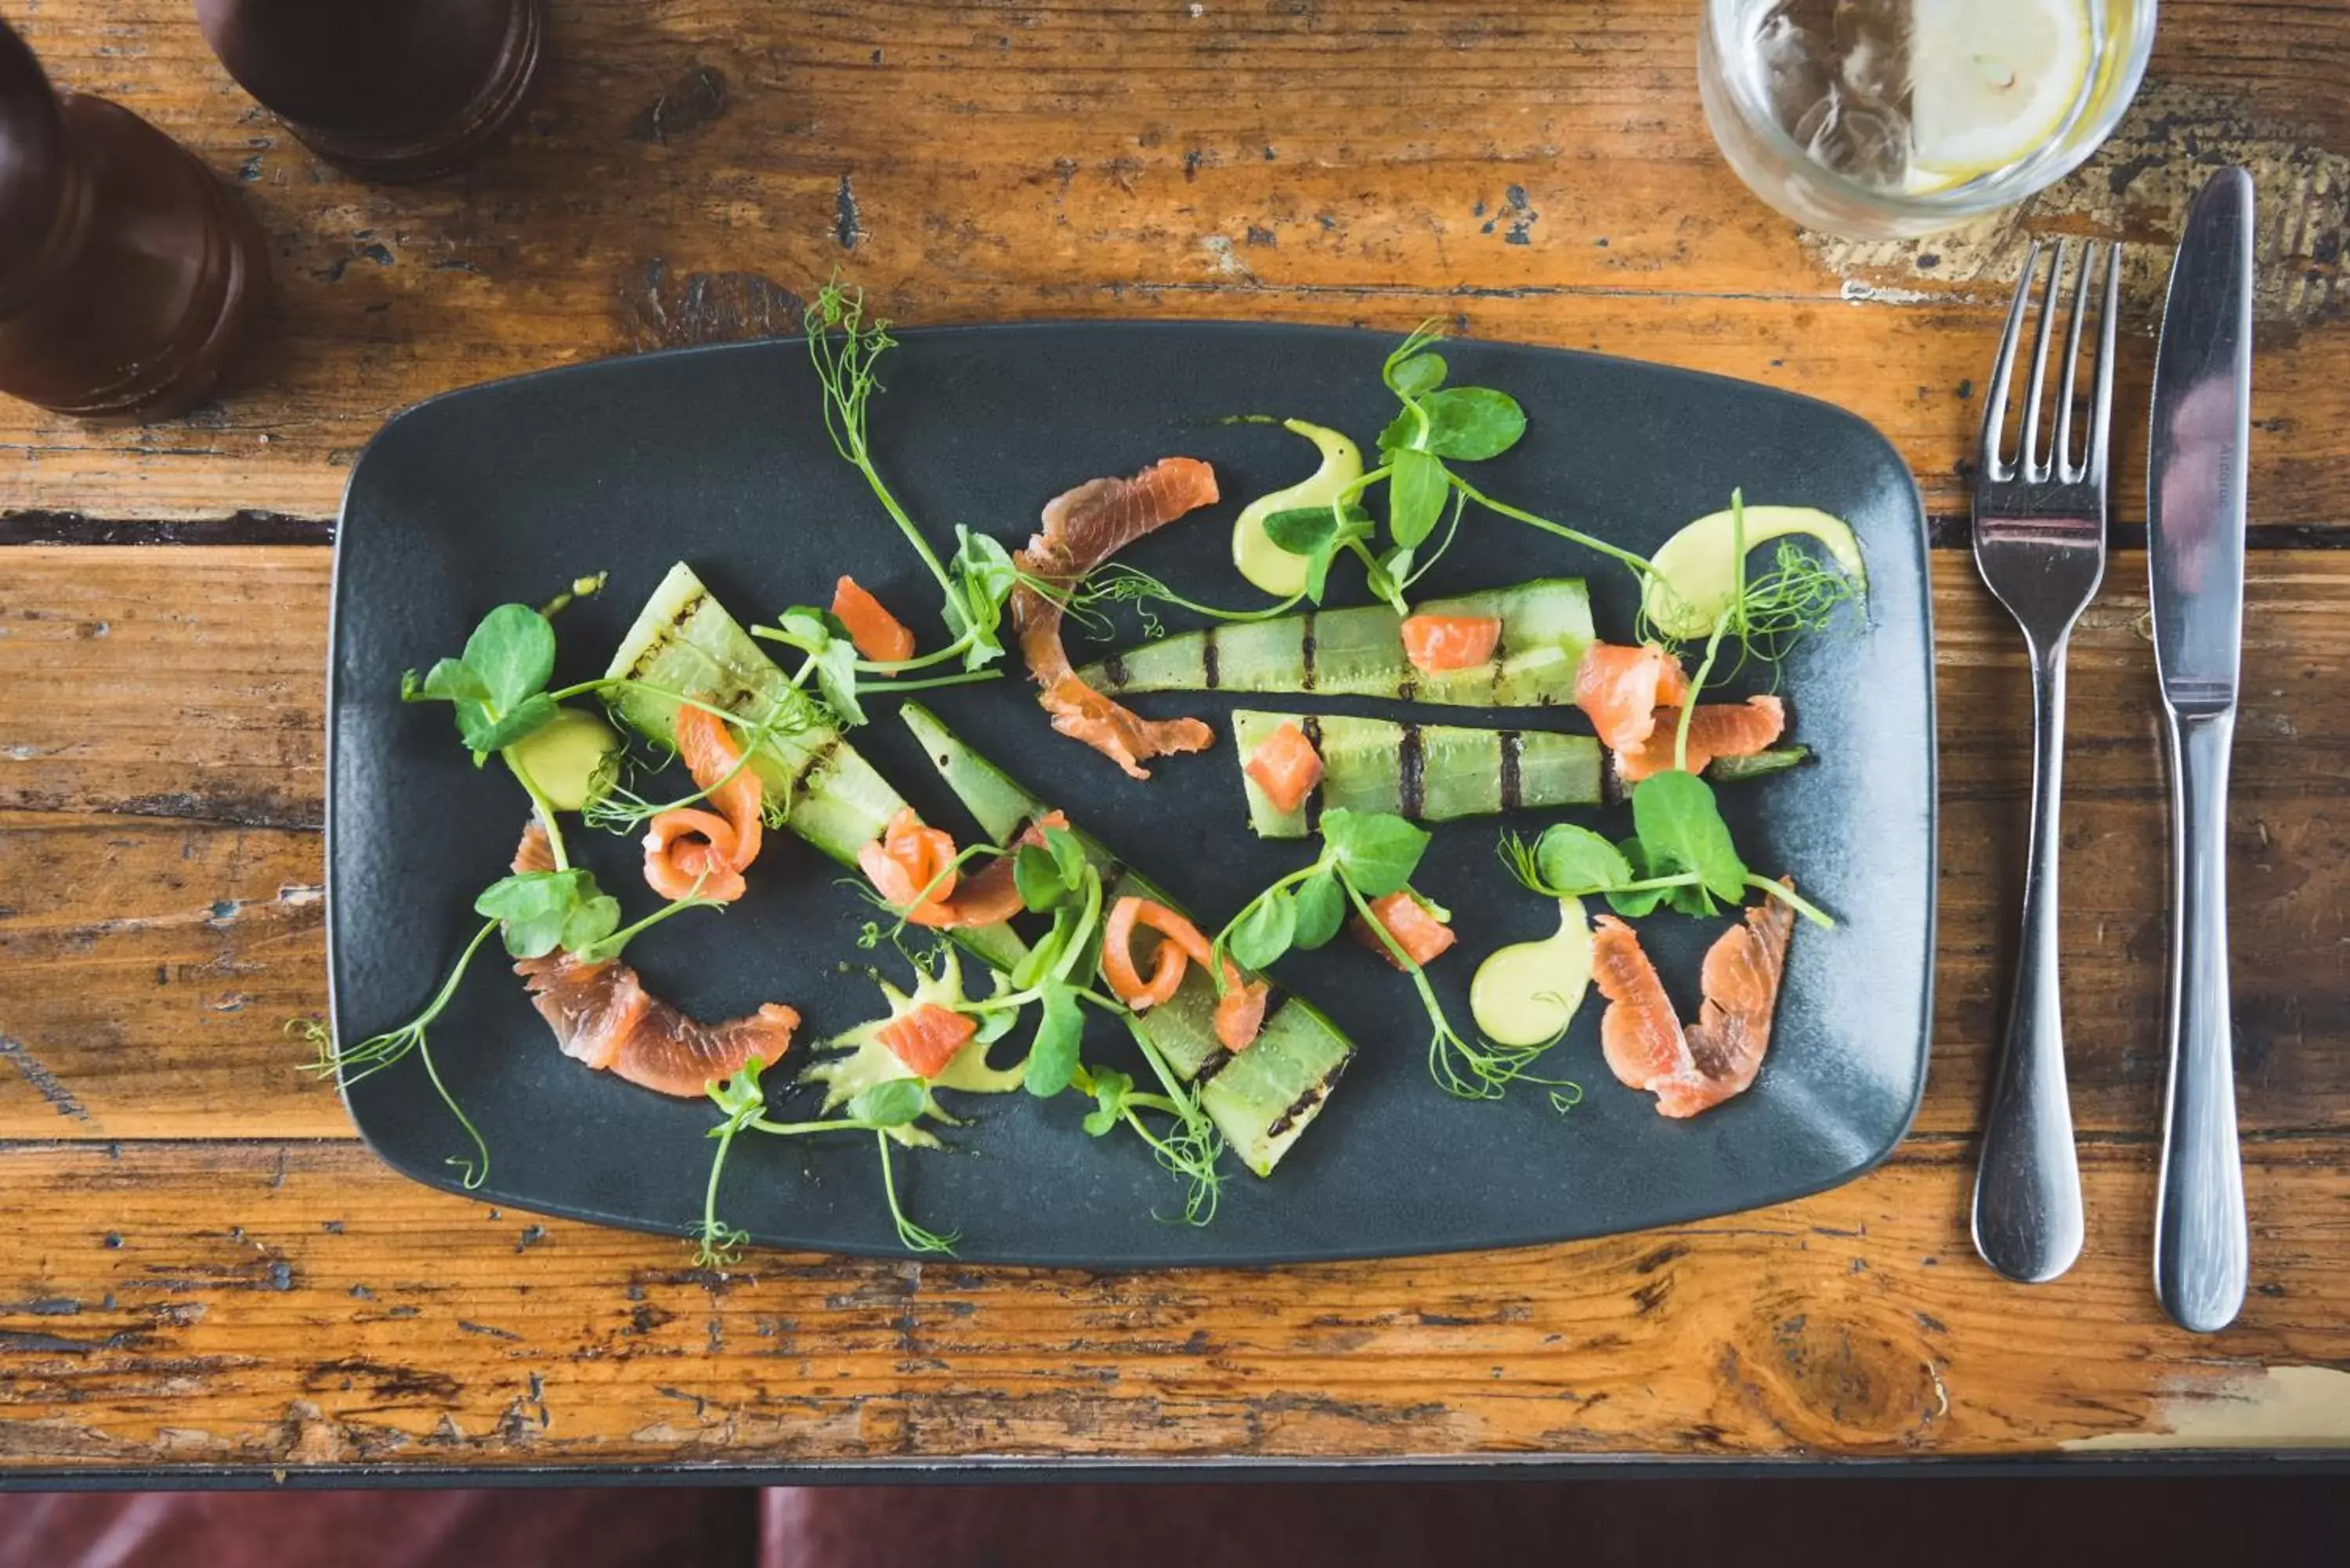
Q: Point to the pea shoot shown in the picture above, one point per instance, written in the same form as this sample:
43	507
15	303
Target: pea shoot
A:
1368	855
846	345
1682	853
886	1108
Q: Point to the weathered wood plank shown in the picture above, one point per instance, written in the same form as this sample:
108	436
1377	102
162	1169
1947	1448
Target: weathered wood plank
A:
158	931
1543	175
314	1308
165	683
153	967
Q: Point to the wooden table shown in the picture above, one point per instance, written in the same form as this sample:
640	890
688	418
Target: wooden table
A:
206	1276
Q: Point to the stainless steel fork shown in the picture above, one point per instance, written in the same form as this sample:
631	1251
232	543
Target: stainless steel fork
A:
2040	544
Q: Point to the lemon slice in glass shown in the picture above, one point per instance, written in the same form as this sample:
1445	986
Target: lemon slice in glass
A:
1992	81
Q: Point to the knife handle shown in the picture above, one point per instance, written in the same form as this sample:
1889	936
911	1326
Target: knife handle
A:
2027	1221
2201	1243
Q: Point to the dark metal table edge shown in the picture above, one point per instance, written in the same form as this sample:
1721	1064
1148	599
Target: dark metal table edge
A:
1034	1471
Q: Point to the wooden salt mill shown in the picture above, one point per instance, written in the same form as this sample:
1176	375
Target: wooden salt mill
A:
384	90
128	274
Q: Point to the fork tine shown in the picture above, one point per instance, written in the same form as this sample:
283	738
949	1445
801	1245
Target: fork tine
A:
2060	457
2101	415
2003	370
2028	459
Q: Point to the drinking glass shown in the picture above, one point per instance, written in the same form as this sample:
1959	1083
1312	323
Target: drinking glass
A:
1885	119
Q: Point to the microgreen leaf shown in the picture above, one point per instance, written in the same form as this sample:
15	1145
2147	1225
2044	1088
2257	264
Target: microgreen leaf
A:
1266	929
1053	1056
1040	959
450	680
1109	1089
1473	423
1302	530
984	573
1318	533
892	1103
1038	877
1376	852
1416	494
1573	861
498	687
1681	829
1321	909
540	911
512	652
836	677
740	1096
1069	856
482	732
1383	574
1416	377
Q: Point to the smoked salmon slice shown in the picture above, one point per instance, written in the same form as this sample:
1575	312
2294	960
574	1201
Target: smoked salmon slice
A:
1622	688
878	635
1422	936
709	848
1716	729
927	1038
534	853
603	1015
1741	981
1240	1011
1694	1069
910	855
1083	528
1436	643
1286	766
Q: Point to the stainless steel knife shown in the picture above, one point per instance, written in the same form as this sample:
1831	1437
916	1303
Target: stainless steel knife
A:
2195	556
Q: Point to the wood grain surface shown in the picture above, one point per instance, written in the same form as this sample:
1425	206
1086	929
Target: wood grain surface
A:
205	1272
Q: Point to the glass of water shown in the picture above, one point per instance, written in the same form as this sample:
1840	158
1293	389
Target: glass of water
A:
1892	118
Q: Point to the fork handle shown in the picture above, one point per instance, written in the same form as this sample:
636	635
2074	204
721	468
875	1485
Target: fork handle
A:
2202	1248
2027	1209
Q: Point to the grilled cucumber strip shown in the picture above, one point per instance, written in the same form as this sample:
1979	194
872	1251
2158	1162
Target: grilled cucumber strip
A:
1436	773
1433	773
1261	1098
685	644
1545	627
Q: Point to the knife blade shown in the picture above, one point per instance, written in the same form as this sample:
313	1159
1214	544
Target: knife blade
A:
2196	505
2203	420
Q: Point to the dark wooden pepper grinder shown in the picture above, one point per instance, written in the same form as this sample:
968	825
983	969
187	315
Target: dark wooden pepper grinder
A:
385	89
128	274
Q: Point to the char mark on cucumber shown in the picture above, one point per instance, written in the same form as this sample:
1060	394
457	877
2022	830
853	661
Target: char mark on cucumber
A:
1306	1104
1412	771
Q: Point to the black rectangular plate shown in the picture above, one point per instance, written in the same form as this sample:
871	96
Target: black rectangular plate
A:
718	456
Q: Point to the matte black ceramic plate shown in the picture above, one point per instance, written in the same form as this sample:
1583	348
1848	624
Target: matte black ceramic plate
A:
718	456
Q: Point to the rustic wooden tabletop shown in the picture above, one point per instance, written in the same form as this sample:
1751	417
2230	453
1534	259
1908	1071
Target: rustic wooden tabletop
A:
207	1274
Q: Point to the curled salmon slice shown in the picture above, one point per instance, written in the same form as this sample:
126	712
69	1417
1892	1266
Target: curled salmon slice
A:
703	853
1622	688
707	748
1240	1011
1083	528
1716	729
908	856
691	854
1694	1069
602	1016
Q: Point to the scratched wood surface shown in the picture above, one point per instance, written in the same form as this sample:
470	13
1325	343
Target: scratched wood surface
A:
205	1269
